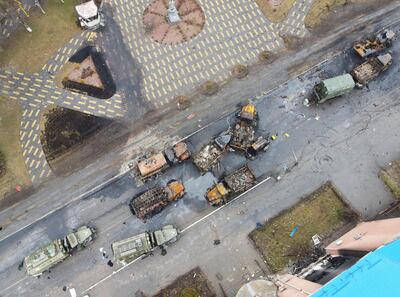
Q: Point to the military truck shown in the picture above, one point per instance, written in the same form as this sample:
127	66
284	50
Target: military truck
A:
58	250
158	162
136	246
234	183
371	68
156	199
333	87
369	47
211	153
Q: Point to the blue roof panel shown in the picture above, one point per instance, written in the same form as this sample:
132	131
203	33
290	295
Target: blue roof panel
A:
375	275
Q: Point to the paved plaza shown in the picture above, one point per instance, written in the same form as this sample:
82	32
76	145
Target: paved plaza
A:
234	32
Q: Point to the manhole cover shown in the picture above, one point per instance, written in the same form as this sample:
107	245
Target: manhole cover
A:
161	30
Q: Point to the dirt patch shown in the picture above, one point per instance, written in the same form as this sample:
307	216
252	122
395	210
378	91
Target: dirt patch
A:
391	177
65	128
275	10
321	212
320	9
50	32
192	284
15	172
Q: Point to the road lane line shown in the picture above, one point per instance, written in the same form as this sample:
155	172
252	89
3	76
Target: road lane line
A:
14	284
182	231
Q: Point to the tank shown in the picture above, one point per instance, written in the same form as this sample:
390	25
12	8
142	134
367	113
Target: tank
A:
58	250
136	246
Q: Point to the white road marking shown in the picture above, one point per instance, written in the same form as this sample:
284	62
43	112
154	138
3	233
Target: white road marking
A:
182	231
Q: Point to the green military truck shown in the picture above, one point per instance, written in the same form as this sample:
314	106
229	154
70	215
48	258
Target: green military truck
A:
129	249
58	250
333	87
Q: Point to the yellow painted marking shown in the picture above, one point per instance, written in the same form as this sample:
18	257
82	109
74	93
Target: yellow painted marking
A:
42	173
41	154
41	95
77	107
44	67
57	92
37	100
27	78
31	164
37	165
23	98
91	107
30	149
66	102
32	105
24	153
23	134
33	177
34	123
48	173
34	137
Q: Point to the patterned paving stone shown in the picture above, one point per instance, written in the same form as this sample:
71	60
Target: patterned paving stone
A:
294	23
235	32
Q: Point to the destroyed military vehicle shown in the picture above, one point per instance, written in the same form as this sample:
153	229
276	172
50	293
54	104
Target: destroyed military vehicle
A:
244	133
210	154
237	182
160	161
369	47
156	199
58	250
136	246
371	68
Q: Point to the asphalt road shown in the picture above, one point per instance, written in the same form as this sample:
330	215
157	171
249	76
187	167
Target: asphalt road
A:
345	141
60	191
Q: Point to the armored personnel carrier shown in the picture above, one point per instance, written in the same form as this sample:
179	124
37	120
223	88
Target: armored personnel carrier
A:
136	246
58	250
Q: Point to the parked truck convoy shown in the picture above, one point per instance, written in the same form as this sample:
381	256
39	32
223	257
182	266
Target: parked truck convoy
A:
369	47
234	183
58	250
160	161
371	68
156	199
134	247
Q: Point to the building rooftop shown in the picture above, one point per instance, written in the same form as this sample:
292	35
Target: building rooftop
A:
376	274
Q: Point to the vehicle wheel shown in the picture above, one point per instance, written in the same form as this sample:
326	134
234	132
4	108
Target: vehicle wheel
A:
163	252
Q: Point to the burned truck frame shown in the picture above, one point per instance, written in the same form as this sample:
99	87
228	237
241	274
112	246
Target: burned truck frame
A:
237	182
154	200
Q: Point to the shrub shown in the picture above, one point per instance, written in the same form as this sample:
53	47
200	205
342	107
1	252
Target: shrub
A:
264	56
209	88
240	71
182	101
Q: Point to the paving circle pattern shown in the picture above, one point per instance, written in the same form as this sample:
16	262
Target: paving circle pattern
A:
160	30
